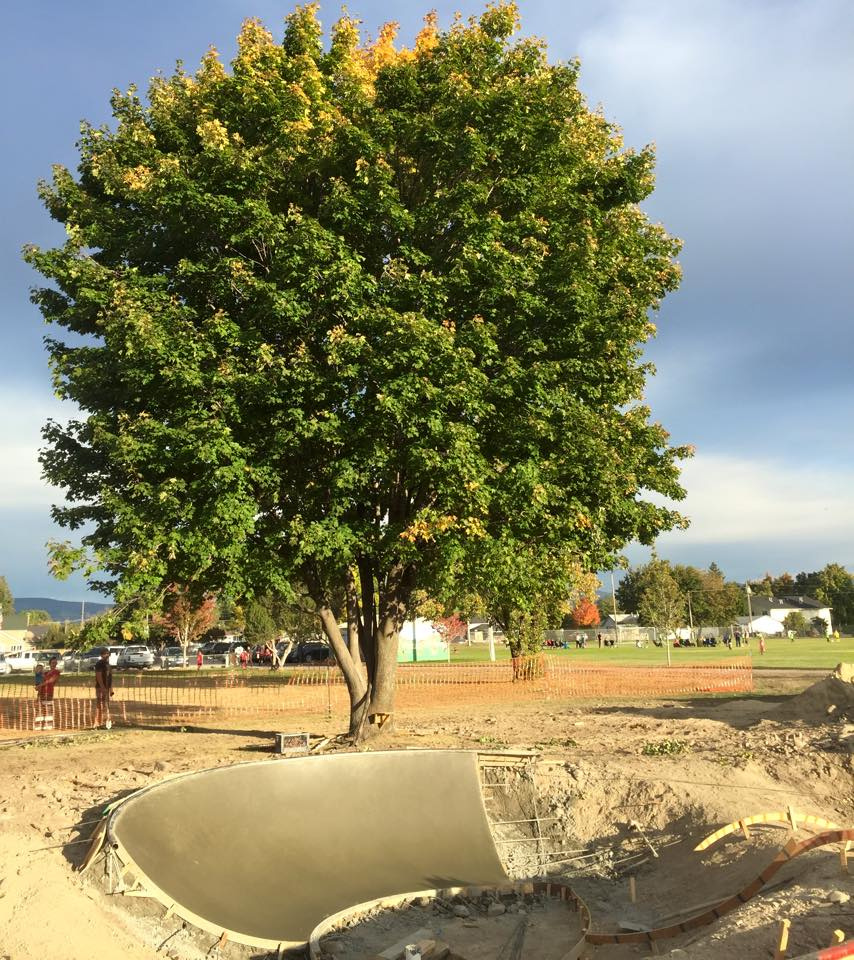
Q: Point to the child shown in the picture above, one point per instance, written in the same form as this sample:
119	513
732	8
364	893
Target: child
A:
39	677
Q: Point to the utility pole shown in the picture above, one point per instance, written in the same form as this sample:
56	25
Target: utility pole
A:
614	599
690	617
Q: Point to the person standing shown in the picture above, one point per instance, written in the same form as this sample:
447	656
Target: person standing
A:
49	681
103	689
199	659
762	646
45	682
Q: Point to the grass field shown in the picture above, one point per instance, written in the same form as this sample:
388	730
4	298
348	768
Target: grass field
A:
779	653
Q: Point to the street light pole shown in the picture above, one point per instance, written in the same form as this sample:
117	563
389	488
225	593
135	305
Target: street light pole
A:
690	617
749	608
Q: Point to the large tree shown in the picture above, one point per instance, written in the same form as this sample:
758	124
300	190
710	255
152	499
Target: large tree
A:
358	314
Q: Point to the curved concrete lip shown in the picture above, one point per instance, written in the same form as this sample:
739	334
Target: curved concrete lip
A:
265	851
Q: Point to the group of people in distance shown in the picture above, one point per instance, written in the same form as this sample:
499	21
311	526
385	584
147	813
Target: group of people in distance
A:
46	680
580	642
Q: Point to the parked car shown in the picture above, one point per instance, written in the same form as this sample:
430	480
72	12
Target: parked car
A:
174	657
25	660
4	666
90	657
312	651
135	655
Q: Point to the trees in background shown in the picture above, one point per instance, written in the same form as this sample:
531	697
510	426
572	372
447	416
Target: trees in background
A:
36	617
723	600
661	602
769	586
7	601
703	597
585	614
796	623
186	615
351	306
451	628
260	627
834	586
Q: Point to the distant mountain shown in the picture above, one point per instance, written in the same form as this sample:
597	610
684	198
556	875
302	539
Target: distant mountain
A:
61	609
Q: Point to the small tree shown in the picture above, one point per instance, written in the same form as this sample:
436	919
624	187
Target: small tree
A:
819	624
451	628
662	604
796	623
585	614
186	617
260	628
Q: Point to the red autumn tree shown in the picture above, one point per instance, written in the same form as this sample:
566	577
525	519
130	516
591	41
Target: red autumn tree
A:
186	619
585	614
450	628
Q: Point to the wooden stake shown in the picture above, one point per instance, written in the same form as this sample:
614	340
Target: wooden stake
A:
633	890
782	940
793	817
744	829
843	857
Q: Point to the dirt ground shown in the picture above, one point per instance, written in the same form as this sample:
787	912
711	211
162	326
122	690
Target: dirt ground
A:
612	782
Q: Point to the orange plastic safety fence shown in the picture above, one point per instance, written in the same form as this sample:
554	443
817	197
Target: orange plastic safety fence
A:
149	698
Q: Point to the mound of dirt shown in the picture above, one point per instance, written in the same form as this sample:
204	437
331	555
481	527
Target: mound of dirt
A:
828	700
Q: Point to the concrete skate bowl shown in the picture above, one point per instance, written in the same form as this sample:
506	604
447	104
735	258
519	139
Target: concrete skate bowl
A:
265	851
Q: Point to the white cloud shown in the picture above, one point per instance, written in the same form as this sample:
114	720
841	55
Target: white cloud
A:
740	500
24	413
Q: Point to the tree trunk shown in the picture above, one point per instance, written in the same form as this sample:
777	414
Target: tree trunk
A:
353	617
357	688
381	710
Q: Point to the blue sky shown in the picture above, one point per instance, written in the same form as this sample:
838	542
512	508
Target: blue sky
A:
751	106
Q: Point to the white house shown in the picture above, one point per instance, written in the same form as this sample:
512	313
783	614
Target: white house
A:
780	607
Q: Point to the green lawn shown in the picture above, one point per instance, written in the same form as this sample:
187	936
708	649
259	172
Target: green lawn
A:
779	653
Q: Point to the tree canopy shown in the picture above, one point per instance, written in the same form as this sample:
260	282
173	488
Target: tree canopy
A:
355	309
705	597
7	601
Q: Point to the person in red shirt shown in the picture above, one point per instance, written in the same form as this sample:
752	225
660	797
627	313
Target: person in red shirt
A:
199	660
49	678
244	658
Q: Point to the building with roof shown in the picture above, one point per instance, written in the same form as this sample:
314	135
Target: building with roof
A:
780	607
613	620
16	641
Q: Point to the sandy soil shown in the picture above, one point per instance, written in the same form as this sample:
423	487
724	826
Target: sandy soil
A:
606	787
